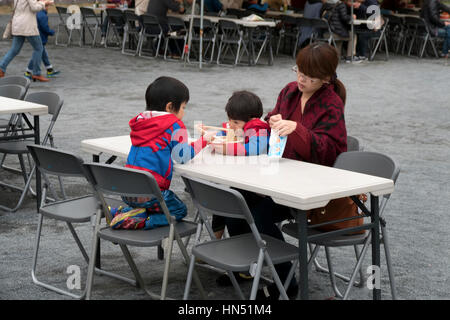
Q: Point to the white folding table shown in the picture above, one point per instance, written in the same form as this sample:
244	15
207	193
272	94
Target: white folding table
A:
299	185
10	106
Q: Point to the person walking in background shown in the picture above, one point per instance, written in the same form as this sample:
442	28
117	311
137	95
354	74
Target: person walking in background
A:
24	26
44	31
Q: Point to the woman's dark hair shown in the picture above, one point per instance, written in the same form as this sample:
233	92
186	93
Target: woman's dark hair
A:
320	60
244	105
164	90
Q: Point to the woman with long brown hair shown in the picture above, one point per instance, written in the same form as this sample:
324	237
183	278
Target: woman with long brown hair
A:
310	111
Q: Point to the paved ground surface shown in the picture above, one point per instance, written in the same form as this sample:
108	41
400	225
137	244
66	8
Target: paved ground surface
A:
399	107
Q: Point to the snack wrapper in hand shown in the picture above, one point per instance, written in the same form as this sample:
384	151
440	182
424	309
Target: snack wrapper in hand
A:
276	145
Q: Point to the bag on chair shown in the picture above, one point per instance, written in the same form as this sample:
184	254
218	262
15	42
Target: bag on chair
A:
8	30
335	210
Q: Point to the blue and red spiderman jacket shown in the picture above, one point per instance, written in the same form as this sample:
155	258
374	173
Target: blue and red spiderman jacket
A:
256	139
157	139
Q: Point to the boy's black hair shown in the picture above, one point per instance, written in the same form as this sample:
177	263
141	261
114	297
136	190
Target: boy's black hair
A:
244	105
164	90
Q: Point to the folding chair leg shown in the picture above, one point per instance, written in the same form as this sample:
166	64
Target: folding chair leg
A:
275	276
331	273
167	264
33	269
187	288
257	277
23	194
389	263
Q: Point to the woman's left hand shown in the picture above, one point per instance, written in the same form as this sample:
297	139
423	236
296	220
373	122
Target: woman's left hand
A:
284	127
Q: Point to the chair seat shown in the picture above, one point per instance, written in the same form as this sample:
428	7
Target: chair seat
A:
239	252
15	147
75	210
338	241
72	210
145	238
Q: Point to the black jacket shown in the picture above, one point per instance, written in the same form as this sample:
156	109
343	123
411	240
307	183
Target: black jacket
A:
431	14
338	18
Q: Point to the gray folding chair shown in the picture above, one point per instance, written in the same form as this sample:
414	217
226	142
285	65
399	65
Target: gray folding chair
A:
113	180
231	35
371	163
19	80
64	17
91	23
247	252
19	147
151	32
69	209
353	144
132	33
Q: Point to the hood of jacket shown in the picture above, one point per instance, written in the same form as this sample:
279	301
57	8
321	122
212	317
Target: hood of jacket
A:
149	125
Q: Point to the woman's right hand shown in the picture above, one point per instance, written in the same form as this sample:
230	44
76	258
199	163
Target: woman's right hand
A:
274	119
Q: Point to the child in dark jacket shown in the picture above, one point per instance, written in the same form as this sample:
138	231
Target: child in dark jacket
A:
44	31
158	138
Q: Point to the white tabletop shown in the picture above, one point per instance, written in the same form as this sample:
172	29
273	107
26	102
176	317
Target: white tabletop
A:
214	19
296	184
283	13
10	106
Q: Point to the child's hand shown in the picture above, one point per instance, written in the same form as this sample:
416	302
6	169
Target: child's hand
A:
220	148
209	136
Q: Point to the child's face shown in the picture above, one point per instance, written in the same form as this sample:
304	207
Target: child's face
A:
236	124
180	113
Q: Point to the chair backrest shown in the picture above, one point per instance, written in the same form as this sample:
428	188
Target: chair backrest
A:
62	14
13	91
175	23
303	22
114	180
227	26
115	16
372	163
217	199
50	99
131	18
20	80
150	23
89	14
56	162
318	23
353	144
207	24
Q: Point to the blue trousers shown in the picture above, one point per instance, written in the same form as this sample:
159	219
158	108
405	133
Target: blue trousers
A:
445	33
17	43
45	60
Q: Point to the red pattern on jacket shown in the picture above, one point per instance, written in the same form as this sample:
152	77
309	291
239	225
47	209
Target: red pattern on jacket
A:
321	134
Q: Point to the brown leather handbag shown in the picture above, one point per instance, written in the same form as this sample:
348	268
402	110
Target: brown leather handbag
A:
337	209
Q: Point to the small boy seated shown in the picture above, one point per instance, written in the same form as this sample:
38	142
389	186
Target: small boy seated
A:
244	110
158	137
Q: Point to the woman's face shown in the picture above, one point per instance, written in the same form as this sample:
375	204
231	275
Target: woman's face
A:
306	84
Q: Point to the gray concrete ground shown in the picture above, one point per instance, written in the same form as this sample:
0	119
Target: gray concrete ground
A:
399	107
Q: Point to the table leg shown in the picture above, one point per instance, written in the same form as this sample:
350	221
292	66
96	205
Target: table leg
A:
37	140
302	222
96	159
375	219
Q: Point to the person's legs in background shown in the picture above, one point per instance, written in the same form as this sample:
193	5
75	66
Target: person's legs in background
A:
48	66
445	33
17	43
36	58
104	29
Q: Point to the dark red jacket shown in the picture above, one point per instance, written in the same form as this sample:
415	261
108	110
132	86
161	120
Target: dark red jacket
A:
320	135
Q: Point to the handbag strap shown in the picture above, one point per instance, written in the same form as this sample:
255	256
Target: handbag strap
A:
14	10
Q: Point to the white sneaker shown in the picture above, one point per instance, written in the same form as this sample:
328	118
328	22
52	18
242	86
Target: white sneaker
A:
102	42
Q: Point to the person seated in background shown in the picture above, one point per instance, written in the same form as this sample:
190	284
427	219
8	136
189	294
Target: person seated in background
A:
213	5
159	9
337	14
431	14
363	11
117	3
391	6
187	4
312	10
277	5
256	5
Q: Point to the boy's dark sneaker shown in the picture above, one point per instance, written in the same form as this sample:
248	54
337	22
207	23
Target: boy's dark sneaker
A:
225	281
28	75
271	292
52	73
